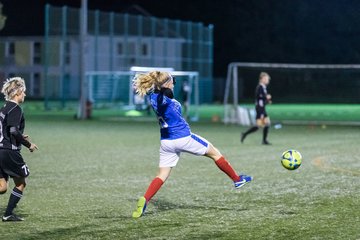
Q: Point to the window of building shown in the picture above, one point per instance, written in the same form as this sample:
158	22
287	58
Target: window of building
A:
37	48
37	53
144	49
36	86
120	48
11	49
67	52
67	47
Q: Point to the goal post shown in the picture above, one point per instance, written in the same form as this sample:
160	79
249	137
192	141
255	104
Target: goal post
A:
292	83
114	89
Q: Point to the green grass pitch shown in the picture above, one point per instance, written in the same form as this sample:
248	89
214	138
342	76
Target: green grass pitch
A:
87	176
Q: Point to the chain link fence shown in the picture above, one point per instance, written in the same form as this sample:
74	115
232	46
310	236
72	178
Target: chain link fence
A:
117	42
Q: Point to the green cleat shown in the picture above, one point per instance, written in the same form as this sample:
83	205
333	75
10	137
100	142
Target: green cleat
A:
141	206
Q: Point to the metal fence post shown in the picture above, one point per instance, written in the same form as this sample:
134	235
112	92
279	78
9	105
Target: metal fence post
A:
96	44
211	50
63	55
83	61
200	50
166	37
46	57
178	34
126	38
153	36
111	40
139	43
189	47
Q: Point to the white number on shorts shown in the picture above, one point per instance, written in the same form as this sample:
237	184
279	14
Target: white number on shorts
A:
25	169
162	123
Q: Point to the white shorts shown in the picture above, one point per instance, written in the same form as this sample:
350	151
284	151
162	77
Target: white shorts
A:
170	149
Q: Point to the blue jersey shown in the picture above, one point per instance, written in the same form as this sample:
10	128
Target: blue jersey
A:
168	111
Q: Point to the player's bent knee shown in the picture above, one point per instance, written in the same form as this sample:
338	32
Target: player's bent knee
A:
260	123
3	186
163	178
20	184
267	122
164	173
213	153
3	189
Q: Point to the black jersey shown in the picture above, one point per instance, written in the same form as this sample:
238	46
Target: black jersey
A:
260	96
12	125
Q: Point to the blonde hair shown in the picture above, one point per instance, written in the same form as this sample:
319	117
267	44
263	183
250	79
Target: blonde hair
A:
148	82
263	74
12	87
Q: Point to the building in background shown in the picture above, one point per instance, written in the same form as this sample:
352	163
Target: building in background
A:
25	56
50	63
22	56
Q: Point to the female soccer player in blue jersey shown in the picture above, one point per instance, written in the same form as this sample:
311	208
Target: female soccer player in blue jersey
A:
176	136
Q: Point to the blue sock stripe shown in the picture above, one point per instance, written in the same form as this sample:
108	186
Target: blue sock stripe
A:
199	140
16	194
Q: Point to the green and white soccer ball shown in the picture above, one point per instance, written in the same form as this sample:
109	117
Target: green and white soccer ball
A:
291	159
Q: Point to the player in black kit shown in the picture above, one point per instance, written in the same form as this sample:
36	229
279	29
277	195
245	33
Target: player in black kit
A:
12	125
261	99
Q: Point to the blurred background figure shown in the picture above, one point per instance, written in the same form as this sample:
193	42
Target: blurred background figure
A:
262	98
185	97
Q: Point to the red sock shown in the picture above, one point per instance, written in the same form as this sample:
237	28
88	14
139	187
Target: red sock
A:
227	168
154	186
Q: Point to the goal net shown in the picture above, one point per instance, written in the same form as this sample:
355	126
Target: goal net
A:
290	83
114	89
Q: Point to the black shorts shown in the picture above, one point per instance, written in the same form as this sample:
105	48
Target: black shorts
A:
260	112
12	164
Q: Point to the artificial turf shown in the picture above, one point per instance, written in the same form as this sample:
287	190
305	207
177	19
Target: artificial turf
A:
87	176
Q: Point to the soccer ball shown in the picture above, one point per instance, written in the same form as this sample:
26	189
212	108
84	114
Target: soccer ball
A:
291	159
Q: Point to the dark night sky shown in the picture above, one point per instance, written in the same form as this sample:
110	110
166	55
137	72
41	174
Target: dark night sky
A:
312	31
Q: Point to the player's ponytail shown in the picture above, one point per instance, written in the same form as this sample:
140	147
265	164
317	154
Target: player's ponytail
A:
146	83
12	87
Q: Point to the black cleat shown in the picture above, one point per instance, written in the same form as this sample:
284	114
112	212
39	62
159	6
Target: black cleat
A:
266	143
242	138
12	218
